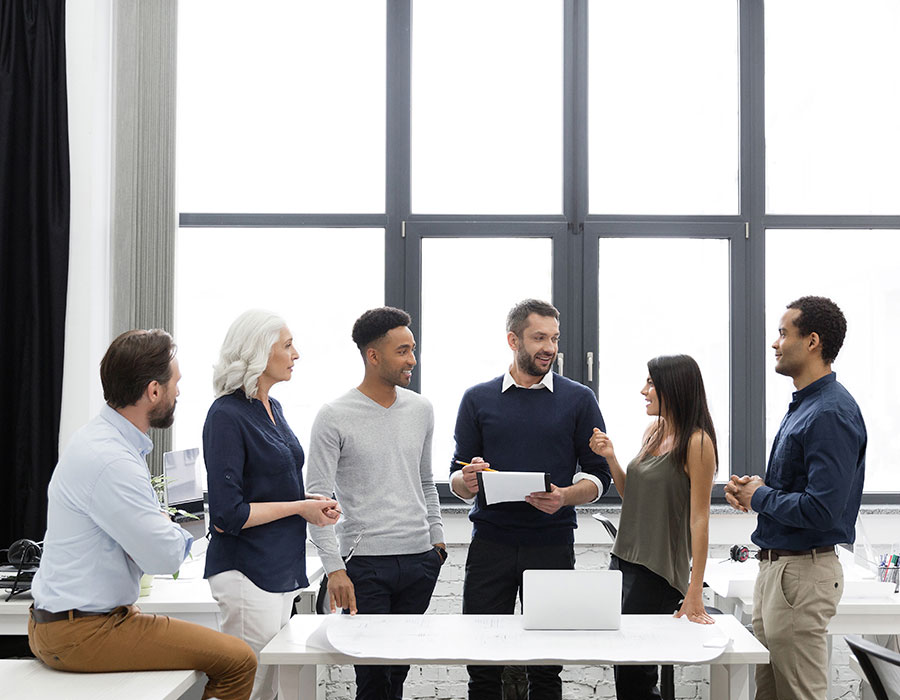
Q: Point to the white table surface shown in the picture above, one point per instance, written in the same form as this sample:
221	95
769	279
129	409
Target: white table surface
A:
867	606
27	679
297	659
731	579
186	598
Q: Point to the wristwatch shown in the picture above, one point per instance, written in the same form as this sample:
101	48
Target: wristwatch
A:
443	552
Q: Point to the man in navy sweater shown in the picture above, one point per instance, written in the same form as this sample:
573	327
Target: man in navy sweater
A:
528	419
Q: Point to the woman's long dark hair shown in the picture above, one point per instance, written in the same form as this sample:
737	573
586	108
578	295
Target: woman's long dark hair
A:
679	388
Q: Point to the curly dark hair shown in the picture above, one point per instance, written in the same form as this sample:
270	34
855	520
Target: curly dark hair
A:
517	318
821	315
375	324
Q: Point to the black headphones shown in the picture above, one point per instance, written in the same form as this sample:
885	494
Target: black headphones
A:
738	552
24	553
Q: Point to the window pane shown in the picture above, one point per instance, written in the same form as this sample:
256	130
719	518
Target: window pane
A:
663	109
487	107
458	355
220	273
662	297
858	271
281	106
832	107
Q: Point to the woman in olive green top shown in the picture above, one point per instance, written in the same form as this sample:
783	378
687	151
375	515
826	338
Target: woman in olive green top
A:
665	507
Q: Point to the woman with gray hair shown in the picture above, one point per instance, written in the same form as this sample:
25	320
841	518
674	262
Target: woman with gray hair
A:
258	509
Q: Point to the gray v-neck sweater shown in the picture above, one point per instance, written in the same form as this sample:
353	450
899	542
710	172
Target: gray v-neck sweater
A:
377	461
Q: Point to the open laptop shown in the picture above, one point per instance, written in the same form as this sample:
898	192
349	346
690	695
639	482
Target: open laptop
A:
554	599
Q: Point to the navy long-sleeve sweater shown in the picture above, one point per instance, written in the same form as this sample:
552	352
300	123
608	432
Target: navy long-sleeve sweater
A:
529	430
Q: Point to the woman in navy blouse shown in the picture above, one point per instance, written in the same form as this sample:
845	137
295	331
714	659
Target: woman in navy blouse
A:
256	561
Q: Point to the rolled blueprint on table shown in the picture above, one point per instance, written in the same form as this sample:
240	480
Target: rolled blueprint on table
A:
452	639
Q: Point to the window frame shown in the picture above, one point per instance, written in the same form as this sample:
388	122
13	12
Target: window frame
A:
576	233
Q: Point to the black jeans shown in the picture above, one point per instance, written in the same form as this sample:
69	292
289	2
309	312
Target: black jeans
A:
400	584
643	593
493	580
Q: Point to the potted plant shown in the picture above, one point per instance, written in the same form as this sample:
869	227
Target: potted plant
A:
159	483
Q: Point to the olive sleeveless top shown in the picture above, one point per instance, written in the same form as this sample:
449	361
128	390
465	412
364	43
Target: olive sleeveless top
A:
655	525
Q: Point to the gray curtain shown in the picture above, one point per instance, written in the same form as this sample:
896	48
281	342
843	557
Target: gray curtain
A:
144	215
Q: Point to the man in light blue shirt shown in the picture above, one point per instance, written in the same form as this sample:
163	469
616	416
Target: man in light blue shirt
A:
105	528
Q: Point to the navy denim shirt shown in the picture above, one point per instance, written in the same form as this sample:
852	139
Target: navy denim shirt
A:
814	480
250	459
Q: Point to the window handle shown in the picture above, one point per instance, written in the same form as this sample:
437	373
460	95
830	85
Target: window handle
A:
560	364
590	366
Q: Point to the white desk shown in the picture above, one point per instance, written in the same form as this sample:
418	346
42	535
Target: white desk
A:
297	659
186	598
32	679
867	606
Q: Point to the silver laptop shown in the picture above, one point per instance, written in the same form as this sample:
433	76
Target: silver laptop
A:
554	599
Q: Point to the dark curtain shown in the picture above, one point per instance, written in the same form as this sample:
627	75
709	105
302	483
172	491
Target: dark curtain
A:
34	256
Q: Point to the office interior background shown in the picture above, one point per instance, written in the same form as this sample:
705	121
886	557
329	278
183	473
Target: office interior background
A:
668	173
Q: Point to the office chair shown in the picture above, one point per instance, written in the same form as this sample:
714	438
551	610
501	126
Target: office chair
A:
881	666
607	524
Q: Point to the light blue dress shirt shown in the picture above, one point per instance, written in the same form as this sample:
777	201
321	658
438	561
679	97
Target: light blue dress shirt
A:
104	524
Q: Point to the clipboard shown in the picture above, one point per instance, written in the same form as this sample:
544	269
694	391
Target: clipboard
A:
508	487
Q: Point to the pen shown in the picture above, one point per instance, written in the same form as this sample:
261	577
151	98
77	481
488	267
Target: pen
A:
466	464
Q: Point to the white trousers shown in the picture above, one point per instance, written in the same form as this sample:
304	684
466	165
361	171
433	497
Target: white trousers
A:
254	615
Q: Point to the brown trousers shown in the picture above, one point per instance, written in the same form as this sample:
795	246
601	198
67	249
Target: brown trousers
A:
128	640
793	602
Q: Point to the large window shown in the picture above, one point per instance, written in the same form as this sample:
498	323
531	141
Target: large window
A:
468	286
663	107
669	173
661	296
223	272
862	277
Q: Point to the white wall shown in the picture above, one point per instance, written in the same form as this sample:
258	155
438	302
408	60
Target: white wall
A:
89	73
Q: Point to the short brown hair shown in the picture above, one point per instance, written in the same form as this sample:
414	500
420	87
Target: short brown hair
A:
132	361
517	318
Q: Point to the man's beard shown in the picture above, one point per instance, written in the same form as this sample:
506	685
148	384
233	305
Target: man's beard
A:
163	419
527	364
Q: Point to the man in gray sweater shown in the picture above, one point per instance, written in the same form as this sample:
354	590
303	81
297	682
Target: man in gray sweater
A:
372	448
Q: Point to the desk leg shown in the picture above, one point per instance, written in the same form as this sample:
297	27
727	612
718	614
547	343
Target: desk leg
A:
296	682
729	681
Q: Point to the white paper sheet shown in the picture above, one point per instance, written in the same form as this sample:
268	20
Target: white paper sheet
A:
435	637
503	487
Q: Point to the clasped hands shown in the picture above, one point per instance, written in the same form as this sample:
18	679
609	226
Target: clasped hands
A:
739	491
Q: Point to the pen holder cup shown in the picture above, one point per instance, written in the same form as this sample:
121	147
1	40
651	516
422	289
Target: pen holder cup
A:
890	574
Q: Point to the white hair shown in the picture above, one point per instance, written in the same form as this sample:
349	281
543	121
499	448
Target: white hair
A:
245	352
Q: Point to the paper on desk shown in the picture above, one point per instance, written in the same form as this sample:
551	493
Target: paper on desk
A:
503	487
477	638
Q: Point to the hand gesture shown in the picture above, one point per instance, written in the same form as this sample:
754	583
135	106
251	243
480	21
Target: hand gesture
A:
692	608
336	510
547	501
340	591
319	511
601	444
469	479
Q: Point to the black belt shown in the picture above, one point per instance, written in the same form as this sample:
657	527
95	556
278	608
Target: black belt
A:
42	616
775	554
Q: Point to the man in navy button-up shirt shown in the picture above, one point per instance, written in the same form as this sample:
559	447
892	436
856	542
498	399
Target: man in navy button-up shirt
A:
807	504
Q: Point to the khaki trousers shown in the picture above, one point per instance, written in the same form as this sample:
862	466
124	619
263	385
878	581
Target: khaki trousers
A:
128	640
794	599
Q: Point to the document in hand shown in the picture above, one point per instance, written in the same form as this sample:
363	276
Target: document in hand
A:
504	487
